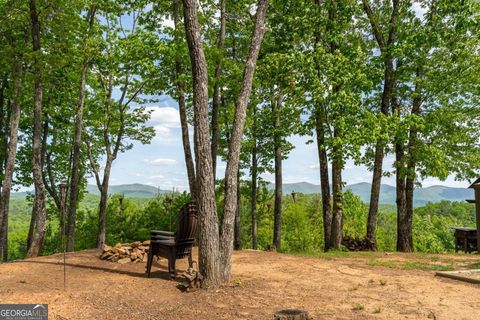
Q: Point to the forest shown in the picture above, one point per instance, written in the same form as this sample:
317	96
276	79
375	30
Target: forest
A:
363	79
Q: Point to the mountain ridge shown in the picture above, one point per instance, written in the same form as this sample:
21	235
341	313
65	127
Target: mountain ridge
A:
422	196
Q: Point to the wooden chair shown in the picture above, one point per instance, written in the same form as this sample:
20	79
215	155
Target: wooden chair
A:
175	245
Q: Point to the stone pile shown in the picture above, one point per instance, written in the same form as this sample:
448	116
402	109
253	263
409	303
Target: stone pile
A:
127	252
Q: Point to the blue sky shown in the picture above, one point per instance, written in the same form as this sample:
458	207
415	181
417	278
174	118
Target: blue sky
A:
161	163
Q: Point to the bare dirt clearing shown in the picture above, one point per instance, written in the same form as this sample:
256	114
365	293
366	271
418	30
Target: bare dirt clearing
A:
332	286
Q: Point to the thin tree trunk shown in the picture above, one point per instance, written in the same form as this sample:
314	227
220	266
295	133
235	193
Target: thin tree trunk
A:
320	122
39	202
102	214
10	161
237	245
405	222
254	170
337	217
226	243
77	141
183	110
324	180
216	88
277	145
5	242
386	47
208	240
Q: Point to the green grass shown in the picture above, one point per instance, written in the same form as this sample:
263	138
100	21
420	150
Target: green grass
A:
426	266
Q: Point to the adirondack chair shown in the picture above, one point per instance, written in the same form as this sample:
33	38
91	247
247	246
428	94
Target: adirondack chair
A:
175	245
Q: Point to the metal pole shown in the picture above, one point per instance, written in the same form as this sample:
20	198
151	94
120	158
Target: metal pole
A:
63	189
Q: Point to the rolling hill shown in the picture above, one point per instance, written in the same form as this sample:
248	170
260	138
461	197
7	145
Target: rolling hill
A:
422	196
135	190
387	192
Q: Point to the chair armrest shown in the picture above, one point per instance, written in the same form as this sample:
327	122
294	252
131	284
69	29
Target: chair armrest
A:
163	233
186	241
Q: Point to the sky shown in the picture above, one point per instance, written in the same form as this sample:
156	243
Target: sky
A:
161	163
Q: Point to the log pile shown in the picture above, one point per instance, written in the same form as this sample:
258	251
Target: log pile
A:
191	280
127	252
358	244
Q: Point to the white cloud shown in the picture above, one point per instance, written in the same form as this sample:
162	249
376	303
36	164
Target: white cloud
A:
159	176
160	162
163	120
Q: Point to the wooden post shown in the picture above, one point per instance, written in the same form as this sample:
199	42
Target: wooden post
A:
477	207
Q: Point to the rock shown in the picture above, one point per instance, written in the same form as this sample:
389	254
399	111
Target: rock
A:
118	245
135	244
106	248
146	243
124	260
133	256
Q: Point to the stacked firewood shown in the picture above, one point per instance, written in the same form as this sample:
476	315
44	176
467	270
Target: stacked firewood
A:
126	252
358	244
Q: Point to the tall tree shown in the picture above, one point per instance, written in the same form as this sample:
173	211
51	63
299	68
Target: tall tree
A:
386	38
17	73
215	249
77	140
37	225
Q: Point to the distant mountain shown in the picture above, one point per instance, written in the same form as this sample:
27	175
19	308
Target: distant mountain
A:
135	190
422	196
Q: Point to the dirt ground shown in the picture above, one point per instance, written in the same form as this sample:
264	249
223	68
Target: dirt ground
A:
349	286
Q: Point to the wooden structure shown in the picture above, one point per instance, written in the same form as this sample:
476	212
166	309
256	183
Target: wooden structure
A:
476	187
465	239
175	245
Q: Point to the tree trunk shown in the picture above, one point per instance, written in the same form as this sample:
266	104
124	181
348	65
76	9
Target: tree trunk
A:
405	223
216	88
208	240
77	142
277	144
102	209
237	245
39	202
183	110
253	171
226	243
386	47
337	217
324	180
10	161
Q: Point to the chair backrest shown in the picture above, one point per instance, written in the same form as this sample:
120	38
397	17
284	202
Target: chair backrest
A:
186	228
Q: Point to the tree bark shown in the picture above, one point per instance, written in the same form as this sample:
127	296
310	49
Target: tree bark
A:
187	150
39	202
386	47
226	243
10	160
102	214
277	145
324	180
216	88
208	241
77	140
254	172
320	121
237	245
337	216
405	221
